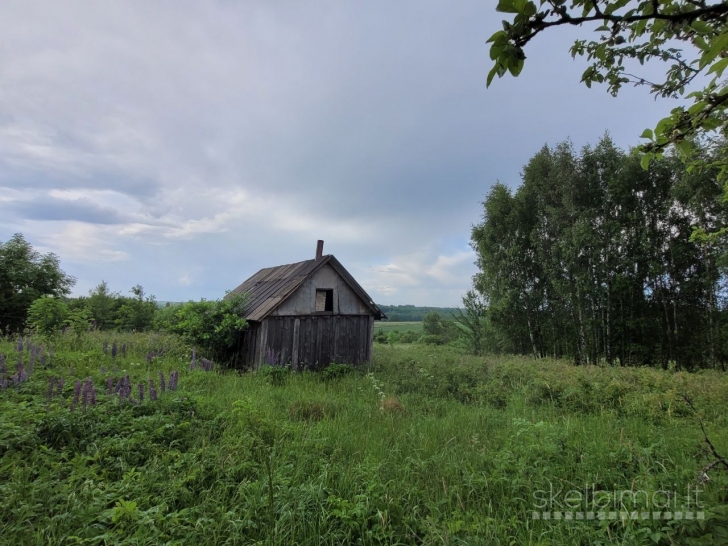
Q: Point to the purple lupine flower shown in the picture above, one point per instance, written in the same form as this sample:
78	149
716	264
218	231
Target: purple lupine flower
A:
119	385
149	358
109	385
60	384
3	364
113	350
106	348
51	387
123	350
173	379
19	346
162	386
141	392
86	392
152	390
92	398
193	362
76	394
3	384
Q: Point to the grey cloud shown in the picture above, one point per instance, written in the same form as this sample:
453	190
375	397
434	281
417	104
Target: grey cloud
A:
77	210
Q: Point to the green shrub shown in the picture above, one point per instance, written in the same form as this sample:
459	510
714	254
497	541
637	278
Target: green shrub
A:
335	371
275	375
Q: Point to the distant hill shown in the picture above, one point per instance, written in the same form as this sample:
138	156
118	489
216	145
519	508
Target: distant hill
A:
395	313
413	313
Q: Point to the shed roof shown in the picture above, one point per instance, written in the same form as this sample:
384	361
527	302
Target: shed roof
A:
271	286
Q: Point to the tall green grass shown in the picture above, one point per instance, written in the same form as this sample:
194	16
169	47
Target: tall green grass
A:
425	446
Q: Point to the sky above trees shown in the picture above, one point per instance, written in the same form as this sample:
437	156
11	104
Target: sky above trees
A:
184	145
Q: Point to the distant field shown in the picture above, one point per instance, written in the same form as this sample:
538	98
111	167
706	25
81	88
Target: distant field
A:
401	326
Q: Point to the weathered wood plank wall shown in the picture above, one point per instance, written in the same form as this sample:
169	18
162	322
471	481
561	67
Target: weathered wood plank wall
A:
308	342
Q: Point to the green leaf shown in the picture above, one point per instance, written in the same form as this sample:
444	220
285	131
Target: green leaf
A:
645	161
506	6
684	148
701	27
647	133
719	67
491	75
515	66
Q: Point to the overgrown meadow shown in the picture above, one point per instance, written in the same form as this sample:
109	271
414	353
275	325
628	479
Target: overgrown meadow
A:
427	446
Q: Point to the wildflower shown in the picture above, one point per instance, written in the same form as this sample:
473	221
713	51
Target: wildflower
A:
19	346
173	378
60	384
123	350
86	392
3	364
141	392
152	390
76	394
51	387
106	348
149	358
113	350
161	382
109	385
127	386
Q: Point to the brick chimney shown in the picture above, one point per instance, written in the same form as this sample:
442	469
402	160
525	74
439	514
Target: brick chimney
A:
319	249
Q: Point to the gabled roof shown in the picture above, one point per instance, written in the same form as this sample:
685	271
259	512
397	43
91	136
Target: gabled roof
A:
271	286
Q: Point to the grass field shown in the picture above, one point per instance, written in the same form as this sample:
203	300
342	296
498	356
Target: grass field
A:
402	327
427	446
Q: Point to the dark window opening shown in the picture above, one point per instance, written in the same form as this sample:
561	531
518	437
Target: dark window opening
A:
324	300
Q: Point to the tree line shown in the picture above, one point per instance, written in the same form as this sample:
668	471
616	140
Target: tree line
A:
596	259
414	313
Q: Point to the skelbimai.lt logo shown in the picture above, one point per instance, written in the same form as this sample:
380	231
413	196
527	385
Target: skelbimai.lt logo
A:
593	503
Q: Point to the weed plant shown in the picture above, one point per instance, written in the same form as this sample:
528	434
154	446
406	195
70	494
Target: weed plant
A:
425	446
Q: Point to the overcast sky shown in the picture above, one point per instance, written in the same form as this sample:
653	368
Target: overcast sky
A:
183	145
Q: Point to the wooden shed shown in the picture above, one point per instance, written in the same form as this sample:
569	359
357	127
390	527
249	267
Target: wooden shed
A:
306	315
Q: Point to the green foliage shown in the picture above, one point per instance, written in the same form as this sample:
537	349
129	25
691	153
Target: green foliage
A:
47	315
136	314
632	32
412	313
78	324
472	321
26	275
437	330
335	371
102	306
380	336
275	375
213	326
231	459
594	259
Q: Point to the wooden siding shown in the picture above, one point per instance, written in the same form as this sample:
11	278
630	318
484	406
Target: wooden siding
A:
308	342
303	300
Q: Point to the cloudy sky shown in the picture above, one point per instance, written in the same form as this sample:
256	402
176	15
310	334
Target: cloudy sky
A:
183	145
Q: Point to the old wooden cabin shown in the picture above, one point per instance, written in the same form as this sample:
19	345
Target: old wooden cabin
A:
306	315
